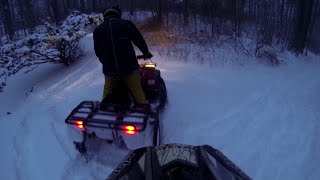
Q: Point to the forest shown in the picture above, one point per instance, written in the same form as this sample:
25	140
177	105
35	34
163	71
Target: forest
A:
293	24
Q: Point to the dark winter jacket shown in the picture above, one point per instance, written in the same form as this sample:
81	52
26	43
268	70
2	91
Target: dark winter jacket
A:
113	47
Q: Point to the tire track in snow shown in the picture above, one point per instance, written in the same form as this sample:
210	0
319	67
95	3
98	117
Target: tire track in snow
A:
76	71
100	163
290	132
60	140
233	120
273	129
20	149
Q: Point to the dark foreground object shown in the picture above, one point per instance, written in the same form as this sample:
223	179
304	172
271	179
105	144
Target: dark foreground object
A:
176	161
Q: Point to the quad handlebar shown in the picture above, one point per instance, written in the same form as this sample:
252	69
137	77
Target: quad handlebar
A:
142	57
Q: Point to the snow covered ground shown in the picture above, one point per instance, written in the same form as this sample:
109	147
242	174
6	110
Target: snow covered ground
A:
266	120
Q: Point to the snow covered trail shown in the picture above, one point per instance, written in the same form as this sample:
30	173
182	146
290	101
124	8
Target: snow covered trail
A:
35	145
266	120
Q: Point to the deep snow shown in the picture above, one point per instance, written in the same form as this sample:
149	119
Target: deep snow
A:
266	120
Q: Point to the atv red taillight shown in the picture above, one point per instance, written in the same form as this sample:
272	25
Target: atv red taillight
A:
130	130
79	124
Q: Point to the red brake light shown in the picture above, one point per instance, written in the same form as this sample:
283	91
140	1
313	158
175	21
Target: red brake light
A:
129	129
80	124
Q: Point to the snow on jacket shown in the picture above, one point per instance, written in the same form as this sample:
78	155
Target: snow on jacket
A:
113	46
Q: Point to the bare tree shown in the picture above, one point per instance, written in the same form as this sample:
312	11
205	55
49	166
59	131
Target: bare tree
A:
304	14
314	18
131	7
289	23
159	15
54	10
82	6
186	12
25	10
7	18
94	5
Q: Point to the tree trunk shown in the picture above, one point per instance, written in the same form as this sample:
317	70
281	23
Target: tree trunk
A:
212	13
54	10
159	17
186	12
68	6
315	14
194	10
167	14
82	6
303	20
94	5
131	7
7	18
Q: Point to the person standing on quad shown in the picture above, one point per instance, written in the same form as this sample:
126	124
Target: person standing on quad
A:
113	46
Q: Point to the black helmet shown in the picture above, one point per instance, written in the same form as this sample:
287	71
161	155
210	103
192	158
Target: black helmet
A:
112	11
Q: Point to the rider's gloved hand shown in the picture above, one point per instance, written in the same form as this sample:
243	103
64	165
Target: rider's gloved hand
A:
148	55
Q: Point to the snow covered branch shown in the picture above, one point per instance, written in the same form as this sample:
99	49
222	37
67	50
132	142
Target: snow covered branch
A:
54	44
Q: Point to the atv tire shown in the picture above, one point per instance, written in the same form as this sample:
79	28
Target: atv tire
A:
156	130
162	93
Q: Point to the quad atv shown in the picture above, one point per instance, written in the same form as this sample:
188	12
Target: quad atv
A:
117	119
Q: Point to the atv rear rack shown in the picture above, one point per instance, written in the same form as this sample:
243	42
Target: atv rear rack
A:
90	114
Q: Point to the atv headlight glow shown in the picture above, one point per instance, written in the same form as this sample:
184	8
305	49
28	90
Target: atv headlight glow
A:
150	66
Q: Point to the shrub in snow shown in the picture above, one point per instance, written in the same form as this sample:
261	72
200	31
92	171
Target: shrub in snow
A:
265	49
55	43
69	49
